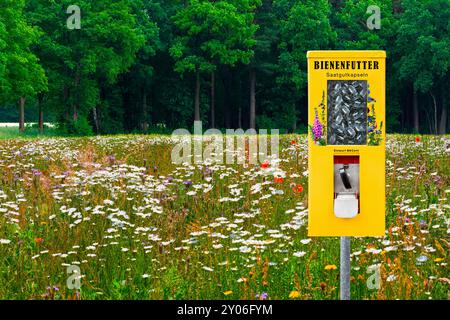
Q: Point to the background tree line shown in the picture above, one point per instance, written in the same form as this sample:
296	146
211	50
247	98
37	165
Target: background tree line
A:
154	65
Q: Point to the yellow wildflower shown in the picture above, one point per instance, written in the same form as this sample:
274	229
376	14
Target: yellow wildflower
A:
227	293
438	260
330	267
294	294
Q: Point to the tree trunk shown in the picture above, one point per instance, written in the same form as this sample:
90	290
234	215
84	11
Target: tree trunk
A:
240	117
96	110
238	100
96	121
213	100
435	114
430	125
22	114
77	92
415	111
252	99
227	101
144	123
197	97
443	122
41	114
75	112
65	98
294	122
404	107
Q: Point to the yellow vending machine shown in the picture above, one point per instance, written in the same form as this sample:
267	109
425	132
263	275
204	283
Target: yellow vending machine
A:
346	140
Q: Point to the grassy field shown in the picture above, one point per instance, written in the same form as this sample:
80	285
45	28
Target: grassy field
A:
11	131
139	227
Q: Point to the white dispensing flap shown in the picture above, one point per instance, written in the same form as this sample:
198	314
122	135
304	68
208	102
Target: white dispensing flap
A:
346	205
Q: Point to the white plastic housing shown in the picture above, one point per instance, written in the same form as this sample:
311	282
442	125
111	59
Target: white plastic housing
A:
346	205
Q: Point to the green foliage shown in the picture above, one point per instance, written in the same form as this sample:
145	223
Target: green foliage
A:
82	62
21	75
132	66
69	127
212	33
352	26
423	42
305	27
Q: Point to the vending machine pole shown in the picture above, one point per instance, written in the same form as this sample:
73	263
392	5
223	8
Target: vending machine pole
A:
345	268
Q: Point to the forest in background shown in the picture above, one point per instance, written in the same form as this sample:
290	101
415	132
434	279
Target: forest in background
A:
156	65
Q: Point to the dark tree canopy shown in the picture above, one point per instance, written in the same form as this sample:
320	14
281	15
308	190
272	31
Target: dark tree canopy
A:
154	65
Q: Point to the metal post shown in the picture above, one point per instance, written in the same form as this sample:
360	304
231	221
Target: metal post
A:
345	268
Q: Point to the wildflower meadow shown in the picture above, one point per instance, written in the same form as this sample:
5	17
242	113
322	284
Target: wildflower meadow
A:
111	217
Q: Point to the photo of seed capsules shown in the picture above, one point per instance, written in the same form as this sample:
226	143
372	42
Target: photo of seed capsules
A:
347	112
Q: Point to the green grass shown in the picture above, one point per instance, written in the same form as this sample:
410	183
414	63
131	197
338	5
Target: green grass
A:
120	210
7	133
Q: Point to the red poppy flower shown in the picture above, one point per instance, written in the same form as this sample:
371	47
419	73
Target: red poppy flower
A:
265	165
38	240
298	188
417	139
293	142
278	180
